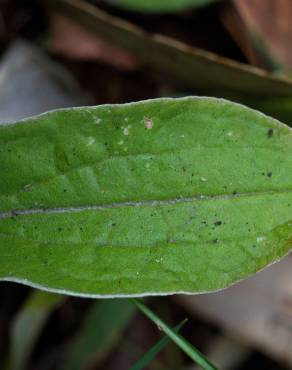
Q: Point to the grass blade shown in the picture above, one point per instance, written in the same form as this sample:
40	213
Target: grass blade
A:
28	324
153	351
181	342
100	332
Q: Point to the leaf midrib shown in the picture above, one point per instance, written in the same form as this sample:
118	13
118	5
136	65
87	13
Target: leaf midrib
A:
142	203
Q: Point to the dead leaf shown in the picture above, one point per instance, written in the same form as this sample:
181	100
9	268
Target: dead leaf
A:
192	67
268	22
73	41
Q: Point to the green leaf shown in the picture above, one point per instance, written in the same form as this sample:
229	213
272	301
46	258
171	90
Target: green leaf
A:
194	68
100	332
27	326
160	5
156	197
180	341
279	108
154	351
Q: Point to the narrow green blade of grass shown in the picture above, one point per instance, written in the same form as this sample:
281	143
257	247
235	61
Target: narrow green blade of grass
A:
181	342
153	351
160	5
100	332
27	326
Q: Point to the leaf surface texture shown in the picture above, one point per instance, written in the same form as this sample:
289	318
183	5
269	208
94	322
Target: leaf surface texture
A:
154	197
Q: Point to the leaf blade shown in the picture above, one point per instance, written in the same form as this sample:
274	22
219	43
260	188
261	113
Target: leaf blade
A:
189	206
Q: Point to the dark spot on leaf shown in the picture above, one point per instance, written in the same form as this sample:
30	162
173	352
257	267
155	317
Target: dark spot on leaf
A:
215	241
218	223
59	229
269	174
114	225
270	133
